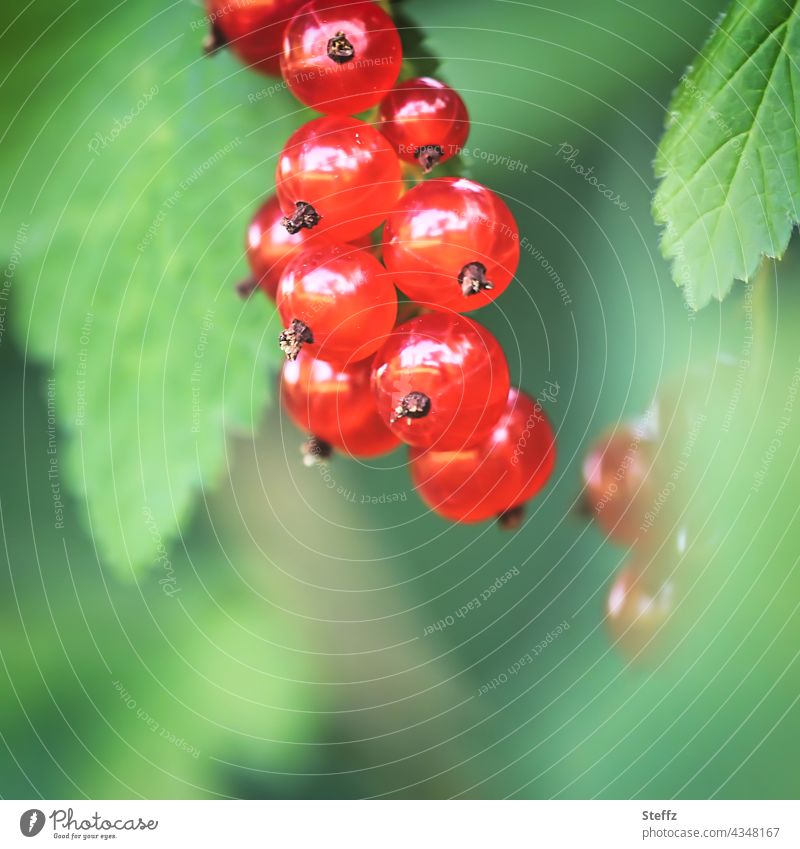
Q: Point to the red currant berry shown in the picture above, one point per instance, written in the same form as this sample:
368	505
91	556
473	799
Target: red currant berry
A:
425	120
451	243
340	58
338	299
441	381
345	170
505	469
336	404
253	29
638	608
616	476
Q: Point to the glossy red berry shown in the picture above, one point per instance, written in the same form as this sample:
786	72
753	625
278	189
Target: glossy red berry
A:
340	58
270	247
505	469
252	29
336	299
336	404
425	120
345	170
441	380
619	489
452	244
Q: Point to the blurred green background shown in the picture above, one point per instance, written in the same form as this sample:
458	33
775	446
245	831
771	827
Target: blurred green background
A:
205	617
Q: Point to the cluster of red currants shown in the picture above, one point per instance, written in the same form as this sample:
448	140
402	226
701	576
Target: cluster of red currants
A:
637	486
356	377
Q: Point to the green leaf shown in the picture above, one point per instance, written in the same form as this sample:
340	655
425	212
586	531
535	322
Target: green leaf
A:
729	159
134	164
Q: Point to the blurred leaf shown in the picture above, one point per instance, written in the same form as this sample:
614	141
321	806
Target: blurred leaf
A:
419	59
729	158
133	166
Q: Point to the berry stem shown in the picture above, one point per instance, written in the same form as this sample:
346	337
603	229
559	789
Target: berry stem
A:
340	50
294	337
315	450
415	405
473	279
246	287
512	519
214	41
305	216
428	156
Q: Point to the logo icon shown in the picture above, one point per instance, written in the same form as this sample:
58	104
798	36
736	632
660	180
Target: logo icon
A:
31	822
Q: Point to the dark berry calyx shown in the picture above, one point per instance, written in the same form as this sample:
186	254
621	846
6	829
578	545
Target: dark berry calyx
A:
428	156
416	405
512	519
294	337
246	287
304	217
473	279
315	450
214	41
340	50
